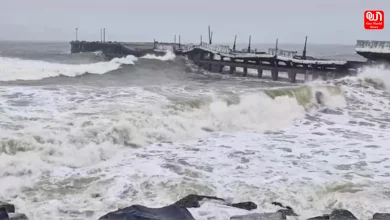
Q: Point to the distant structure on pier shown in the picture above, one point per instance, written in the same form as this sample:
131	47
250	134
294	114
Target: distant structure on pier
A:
377	51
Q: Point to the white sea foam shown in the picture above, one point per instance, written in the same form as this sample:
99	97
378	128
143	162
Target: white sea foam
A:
17	69
377	75
169	55
69	149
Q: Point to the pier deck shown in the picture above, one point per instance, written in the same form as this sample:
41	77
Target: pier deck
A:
214	57
276	60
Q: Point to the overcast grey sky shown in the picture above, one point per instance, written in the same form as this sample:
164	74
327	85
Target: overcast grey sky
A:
324	21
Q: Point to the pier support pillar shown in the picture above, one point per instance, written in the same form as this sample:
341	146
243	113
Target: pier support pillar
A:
221	66
259	72
315	75
292	75
314	72
232	69
245	73
307	72
201	57
259	69
325	76
211	58
275	72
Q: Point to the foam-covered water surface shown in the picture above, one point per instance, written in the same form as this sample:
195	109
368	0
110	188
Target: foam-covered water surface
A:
77	151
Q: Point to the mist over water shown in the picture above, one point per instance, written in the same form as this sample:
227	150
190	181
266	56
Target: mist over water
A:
81	136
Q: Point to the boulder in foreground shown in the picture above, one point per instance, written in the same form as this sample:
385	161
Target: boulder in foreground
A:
381	216
138	212
7	212
260	216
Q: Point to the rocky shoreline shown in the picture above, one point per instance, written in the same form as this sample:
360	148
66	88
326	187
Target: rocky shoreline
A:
179	211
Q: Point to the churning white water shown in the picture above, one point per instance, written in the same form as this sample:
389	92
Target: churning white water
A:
77	151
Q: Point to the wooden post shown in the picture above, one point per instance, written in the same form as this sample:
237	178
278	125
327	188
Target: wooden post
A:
201	57
221	66
307	72
275	72
209	35
232	69
292	75
276	47
200	39
245	73
104	34
249	45
325	76
259	69
304	50
211	58
77	37
314	72
234	44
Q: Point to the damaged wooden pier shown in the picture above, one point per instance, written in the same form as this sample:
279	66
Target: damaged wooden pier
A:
218	58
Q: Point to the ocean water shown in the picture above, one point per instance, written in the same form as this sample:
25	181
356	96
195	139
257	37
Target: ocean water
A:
81	136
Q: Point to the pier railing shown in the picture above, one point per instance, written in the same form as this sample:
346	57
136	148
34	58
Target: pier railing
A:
282	53
164	47
372	46
216	48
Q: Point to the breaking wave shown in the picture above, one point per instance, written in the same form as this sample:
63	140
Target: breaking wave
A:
66	143
17	69
12	69
168	56
378	76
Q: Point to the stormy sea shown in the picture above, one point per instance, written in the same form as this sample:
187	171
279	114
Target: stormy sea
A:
81	135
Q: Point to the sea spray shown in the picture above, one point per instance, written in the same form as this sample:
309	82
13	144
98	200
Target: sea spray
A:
305	95
17	69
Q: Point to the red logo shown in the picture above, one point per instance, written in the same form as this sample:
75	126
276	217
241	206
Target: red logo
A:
374	19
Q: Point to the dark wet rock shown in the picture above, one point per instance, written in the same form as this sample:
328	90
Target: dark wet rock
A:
331	112
10	208
288	211
341	214
286	149
319	97
260	216
244	160
245	205
17	216
381	216
138	212
3	214
324	217
319	133
207	129
338	214
362	123
193	201
372	146
7	212
95	195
